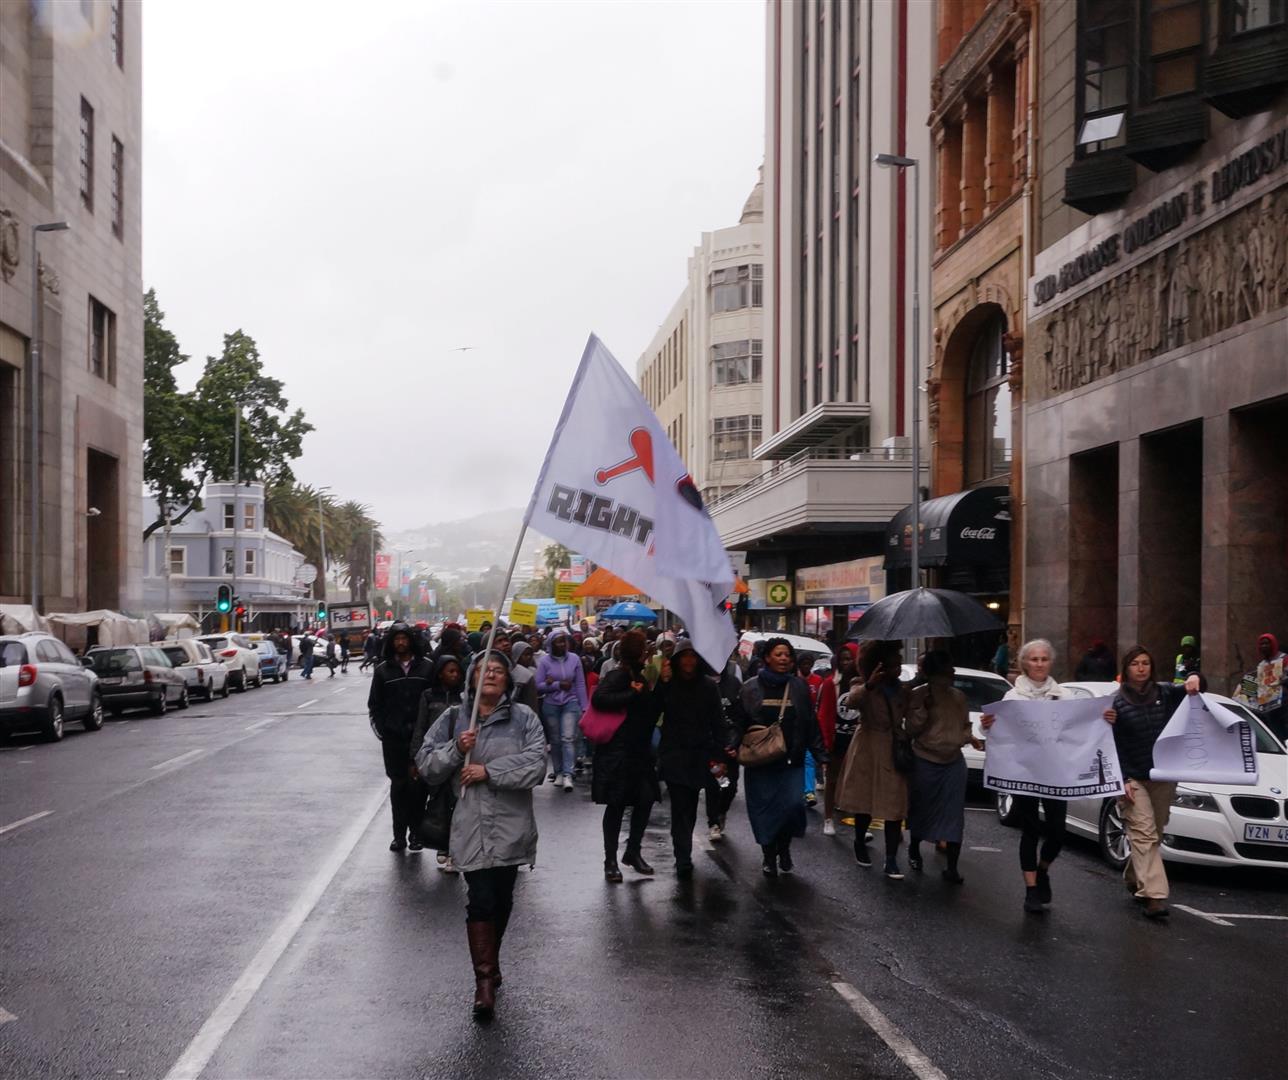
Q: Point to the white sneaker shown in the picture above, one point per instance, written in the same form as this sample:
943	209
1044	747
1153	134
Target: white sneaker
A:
567	782
829	827
716	834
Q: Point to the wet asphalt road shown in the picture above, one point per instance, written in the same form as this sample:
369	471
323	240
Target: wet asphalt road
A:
181	855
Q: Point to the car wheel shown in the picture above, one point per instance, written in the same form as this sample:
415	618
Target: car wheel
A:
240	685
54	719
157	708
183	698
210	690
94	718
1114	844
1006	808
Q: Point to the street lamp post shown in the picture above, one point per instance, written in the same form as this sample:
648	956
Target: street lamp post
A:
896	161
33	376
322	543
236	502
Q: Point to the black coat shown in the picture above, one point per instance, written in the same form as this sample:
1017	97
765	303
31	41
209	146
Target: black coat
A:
394	700
624	772
800	724
1138	727
693	730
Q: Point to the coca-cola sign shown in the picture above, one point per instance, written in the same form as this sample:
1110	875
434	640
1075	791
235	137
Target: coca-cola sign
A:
983	533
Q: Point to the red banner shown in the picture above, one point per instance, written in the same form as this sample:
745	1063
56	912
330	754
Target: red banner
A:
383	562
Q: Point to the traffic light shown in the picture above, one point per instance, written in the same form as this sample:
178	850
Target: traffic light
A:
321	611
240	610
224	599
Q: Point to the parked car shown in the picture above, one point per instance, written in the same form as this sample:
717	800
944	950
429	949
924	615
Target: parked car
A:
803	645
137	676
1209	824
42	685
272	664
981	688
238	655
193	659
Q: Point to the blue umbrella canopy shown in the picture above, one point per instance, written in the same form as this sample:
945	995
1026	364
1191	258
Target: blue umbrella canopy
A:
630	610
919	613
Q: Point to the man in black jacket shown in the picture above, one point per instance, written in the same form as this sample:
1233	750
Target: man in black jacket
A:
396	688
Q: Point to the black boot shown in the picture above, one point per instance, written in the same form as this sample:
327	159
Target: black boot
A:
1044	886
769	859
633	858
785	864
612	872
482	939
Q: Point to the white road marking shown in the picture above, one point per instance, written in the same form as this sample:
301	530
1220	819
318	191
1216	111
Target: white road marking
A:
213	1032
922	1067
995	849
1215	919
6	1016
182	757
1273	918
338	690
311	701
23	821
265	723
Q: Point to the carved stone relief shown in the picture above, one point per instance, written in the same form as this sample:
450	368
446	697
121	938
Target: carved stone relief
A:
9	239
1233	271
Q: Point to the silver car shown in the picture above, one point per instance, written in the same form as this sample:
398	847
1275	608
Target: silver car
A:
42	685
193	659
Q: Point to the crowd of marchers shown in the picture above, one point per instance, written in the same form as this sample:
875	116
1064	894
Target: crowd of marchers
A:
637	709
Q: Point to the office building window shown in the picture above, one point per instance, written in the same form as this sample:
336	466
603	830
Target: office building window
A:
1173	47
230	516
248	516
988	406
179	561
736	287
228	560
248	565
87	154
118	34
102	341
1104	55
118	188
732	437
734	363
1246	16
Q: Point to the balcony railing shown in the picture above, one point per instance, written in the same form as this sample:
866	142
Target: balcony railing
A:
888	456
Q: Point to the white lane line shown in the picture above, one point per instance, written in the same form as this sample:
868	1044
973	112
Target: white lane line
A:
339	690
922	1067
182	757
1273	918
1214	919
5	1016
994	849
23	821
213	1032
263	723
311	701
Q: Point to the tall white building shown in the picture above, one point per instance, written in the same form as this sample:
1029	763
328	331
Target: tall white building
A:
844	82
702	372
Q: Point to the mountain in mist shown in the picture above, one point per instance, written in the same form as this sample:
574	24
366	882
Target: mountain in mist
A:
465	548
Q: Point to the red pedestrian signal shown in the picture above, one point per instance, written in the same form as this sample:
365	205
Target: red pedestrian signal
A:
389	614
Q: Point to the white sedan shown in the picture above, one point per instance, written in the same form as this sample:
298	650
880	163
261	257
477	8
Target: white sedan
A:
1210	824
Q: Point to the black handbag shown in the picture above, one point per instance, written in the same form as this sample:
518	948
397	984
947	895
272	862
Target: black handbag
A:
901	750
435	825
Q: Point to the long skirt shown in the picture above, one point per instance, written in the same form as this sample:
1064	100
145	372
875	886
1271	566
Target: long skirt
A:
937	806
775	801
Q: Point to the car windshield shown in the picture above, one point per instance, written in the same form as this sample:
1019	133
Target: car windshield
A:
980	692
1266	742
12	653
115	661
176	654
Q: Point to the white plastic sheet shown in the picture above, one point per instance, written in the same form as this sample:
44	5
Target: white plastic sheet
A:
1060	749
1205	743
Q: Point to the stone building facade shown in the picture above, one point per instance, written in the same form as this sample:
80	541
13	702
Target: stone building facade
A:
980	122
1156	388
70	151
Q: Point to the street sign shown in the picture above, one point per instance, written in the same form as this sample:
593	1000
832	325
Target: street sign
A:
778	593
306	574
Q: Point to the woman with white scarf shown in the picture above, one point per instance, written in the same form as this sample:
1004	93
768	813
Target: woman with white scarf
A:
1034	683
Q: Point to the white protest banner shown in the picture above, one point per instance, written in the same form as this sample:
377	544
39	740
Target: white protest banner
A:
1205	742
1060	749
614	488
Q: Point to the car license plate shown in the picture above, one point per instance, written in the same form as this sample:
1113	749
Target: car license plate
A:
1266	834
111	680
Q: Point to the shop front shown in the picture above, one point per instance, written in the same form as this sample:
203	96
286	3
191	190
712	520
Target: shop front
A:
829	598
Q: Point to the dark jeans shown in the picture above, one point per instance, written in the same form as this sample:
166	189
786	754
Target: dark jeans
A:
406	795
490	895
1052	830
613	814
684	816
720	799
306	665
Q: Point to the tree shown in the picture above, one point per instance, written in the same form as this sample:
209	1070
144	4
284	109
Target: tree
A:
171	443
292	511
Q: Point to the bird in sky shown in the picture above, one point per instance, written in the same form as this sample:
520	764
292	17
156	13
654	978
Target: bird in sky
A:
462	348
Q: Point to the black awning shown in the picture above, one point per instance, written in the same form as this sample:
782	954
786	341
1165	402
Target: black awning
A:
967	528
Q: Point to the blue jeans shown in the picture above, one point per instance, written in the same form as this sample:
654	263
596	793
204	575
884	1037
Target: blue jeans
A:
809	773
560	722
307	664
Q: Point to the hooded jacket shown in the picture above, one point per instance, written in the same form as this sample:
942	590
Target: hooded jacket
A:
693	727
394	699
493	823
525	684
434	701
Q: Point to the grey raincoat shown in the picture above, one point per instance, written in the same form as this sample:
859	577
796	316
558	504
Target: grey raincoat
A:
493	823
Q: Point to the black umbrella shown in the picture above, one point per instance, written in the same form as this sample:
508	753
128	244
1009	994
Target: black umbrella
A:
920	613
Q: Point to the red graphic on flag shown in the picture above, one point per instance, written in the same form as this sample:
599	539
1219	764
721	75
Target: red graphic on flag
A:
642	443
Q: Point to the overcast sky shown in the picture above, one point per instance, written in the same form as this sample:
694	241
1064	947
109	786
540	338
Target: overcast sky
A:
363	188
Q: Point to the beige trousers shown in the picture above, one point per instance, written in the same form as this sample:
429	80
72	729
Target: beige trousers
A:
1146	818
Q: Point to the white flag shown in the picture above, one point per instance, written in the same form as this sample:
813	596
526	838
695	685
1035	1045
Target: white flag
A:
1204	742
613	488
1059	749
